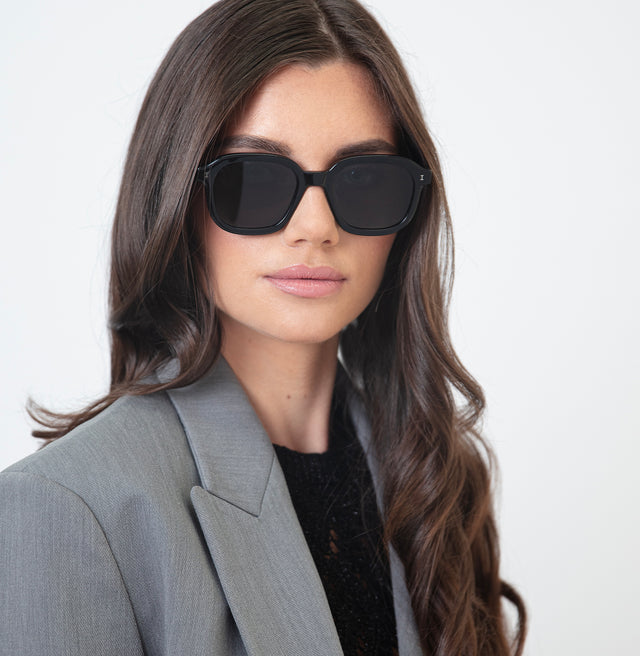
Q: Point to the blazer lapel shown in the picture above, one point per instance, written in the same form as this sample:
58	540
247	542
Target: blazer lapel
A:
249	523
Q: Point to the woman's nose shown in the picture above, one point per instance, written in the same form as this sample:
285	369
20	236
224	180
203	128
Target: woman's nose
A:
313	221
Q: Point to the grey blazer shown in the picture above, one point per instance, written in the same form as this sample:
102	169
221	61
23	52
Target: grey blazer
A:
164	526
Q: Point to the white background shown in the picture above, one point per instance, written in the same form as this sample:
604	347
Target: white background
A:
535	106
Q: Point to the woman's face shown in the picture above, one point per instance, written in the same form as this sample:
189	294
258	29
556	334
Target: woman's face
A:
261	283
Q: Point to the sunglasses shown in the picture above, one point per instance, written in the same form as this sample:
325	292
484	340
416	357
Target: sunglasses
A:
256	194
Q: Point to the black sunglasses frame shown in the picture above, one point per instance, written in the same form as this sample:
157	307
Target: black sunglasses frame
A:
420	176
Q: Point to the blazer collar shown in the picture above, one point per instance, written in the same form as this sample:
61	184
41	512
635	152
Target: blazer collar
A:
250	525
248	521
232	452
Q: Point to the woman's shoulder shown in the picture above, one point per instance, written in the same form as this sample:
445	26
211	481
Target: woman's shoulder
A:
137	442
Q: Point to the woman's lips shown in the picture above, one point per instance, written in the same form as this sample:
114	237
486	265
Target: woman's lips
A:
307	282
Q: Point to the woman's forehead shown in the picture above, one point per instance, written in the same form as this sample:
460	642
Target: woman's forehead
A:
315	111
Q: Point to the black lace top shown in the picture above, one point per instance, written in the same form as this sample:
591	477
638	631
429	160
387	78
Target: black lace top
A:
333	496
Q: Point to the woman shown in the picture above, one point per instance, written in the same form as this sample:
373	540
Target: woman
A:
166	521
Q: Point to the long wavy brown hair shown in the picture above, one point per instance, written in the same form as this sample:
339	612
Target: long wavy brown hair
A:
424	406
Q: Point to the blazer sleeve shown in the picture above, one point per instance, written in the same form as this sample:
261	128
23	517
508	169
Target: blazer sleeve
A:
61	591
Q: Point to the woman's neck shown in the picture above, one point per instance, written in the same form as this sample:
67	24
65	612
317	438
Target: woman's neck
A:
289	385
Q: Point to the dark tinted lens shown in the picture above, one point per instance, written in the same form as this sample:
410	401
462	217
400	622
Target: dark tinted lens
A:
371	195
252	193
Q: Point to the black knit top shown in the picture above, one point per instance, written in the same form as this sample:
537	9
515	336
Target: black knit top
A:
333	496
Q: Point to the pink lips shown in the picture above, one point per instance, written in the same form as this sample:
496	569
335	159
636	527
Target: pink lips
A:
301	280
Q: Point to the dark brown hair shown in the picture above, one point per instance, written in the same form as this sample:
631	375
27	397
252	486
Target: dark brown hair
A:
437	469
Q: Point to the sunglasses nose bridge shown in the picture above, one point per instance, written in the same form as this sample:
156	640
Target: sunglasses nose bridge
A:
315	178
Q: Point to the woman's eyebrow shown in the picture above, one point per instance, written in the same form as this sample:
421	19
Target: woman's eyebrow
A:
368	147
250	142
246	141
